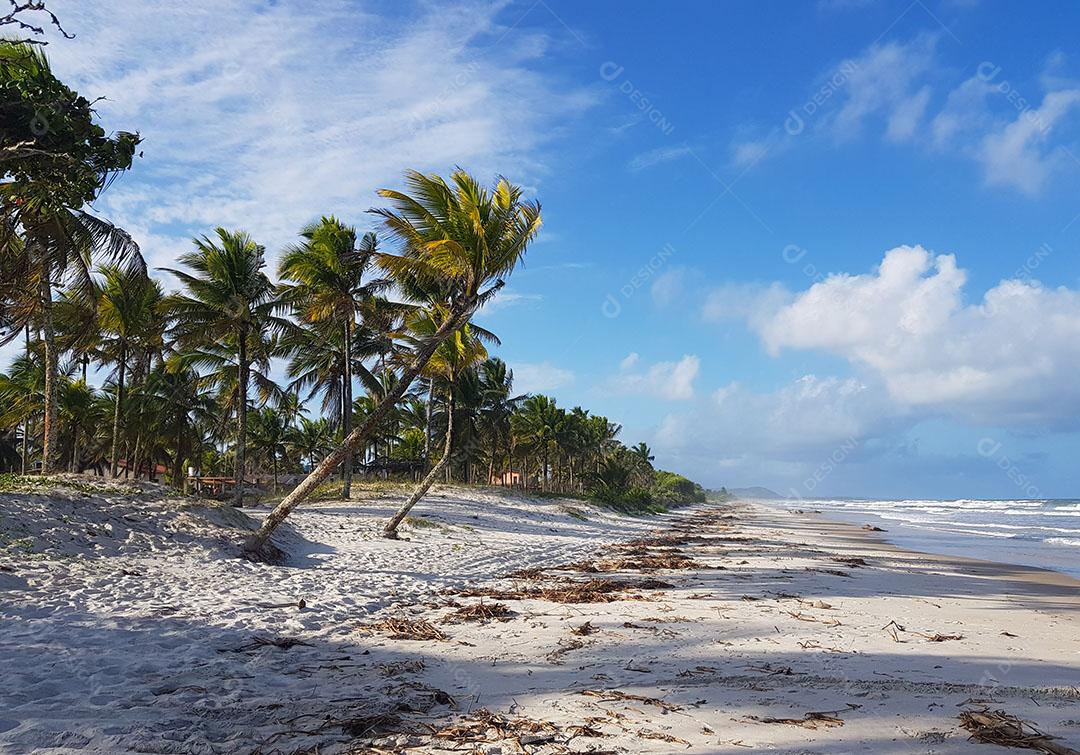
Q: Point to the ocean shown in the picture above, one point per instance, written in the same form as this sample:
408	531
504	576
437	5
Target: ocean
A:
1042	533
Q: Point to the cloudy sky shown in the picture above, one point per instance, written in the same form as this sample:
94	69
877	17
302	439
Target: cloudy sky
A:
830	248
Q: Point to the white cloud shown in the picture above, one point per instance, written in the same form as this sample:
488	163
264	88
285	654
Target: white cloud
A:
1016	155
1008	360
629	361
884	82
668	287
507	299
657	157
265	116
539	377
671	381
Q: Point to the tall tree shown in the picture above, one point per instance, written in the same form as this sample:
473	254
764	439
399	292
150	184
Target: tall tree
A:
127	309
330	287
57	161
229	302
458	243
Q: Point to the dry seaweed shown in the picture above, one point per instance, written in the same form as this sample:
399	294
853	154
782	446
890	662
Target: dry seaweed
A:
585	629
405	629
1001	728
481	612
614	695
812	720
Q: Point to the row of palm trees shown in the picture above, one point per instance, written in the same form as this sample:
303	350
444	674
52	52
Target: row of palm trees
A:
188	375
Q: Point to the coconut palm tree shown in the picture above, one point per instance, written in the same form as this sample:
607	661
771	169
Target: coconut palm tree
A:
127	309
453	357
458	243
310	439
330	287
173	397
538	423
229	303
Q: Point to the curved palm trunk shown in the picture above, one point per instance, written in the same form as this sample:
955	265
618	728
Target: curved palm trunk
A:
241	417
427	426
390	530
120	368
255	544
48	451
346	414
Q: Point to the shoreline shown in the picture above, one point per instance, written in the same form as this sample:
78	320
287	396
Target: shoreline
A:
1038	576
503	620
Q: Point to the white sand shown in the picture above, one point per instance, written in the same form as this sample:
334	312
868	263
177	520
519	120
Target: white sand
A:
121	616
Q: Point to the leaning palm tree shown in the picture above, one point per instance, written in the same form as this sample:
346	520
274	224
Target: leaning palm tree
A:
229	301
454	356
329	286
458	242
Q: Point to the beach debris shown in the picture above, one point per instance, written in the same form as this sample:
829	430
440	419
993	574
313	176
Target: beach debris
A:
812	720
1009	634
599	590
649	562
852	561
483	726
1001	728
872	528
806	617
815	645
405	629
532	572
259	642
397	668
481	612
894	630
555	657
614	695
585	629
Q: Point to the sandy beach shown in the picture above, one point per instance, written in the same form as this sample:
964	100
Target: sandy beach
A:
128	623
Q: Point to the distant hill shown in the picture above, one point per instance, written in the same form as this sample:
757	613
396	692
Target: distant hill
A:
756	492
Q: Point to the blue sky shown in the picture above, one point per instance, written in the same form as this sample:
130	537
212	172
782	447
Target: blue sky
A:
830	248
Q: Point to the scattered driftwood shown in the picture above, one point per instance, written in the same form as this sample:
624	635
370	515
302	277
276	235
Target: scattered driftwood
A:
872	528
812	720
614	695
300	604
259	642
806	617
406	629
852	561
555	657
585	629
894	630
1001	728
481	612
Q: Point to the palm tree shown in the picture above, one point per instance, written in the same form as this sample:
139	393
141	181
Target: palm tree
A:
497	382
269	433
22	398
229	303
453	357
310	439
458	243
127	308
538	423
46	237
173	397
81	415
329	272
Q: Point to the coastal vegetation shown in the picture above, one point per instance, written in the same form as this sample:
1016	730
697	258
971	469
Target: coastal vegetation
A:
363	358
